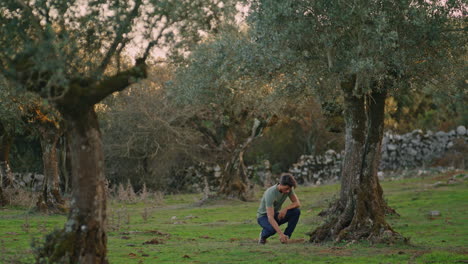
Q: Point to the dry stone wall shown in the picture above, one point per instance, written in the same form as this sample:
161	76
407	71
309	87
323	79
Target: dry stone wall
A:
417	149
32	181
411	150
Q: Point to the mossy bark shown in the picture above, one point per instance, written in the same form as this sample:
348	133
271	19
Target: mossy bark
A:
50	199
360	211
83	240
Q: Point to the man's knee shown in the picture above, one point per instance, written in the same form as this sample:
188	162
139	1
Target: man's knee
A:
295	212
270	229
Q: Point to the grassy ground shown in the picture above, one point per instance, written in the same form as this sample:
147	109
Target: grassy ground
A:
225	231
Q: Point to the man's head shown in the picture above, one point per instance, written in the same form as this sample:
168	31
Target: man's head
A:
287	182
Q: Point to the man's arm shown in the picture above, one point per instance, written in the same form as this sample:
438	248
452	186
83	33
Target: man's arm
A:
295	203
274	224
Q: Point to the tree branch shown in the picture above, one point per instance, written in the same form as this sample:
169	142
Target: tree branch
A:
158	37
153	43
125	28
119	51
97	92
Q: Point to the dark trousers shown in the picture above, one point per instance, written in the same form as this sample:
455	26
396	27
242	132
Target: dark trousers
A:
292	217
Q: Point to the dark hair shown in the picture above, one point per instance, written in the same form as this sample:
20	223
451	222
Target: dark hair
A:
288	179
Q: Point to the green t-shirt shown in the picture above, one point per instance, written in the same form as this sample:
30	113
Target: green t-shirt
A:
272	198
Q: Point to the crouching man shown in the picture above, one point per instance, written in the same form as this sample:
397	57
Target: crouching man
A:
270	215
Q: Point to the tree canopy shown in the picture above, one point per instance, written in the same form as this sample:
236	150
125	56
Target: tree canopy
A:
402	41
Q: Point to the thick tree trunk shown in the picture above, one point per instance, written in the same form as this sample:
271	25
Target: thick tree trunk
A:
83	239
375	131
360	211
50	199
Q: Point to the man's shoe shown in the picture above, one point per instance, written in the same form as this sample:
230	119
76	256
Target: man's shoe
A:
261	240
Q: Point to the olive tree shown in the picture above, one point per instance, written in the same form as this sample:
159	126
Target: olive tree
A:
363	51
62	50
43	120
234	106
27	113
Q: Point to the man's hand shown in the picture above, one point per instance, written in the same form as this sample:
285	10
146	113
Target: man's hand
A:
283	238
282	213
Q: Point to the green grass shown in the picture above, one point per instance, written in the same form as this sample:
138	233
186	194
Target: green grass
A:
225	231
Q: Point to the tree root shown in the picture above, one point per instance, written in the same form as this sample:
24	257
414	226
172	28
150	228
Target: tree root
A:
390	211
338	229
57	248
69	246
51	202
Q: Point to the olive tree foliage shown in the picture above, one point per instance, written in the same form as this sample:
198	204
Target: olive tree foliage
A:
78	39
62	50
363	51
405	41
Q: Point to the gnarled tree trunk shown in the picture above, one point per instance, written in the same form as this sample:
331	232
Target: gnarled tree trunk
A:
235	182
373	153
360	211
84	239
50	200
